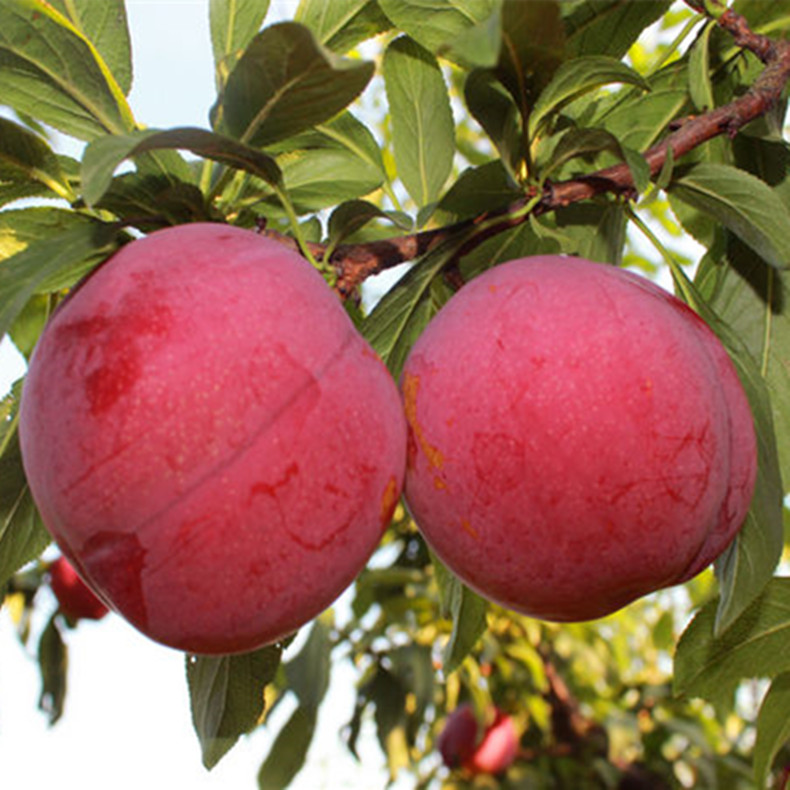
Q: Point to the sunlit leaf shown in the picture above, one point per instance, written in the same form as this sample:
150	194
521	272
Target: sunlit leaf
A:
743	203
756	645
289	750
22	533
105	26
422	122
286	82
103	156
308	671
53	660
609	27
233	25
23	273
341	24
50	70
467	611
24	156
575	78
226	695
439	27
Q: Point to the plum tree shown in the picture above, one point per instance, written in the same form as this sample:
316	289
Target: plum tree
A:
175	431
75	599
585	443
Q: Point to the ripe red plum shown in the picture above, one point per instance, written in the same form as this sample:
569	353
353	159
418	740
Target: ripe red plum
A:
209	439
578	438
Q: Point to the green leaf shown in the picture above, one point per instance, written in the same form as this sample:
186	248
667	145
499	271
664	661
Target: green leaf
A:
22	533
24	156
700	86
233	24
480	189
105	26
596	230
24	273
752	297
344	133
152	201
317	179
438	26
575	78
308	671
747	565
467	611
773	728
639	121
529	238
227	697
585	143
422	121
350	217
103	156
494	109
286	82
388	694
479	46
609	27
412	665
342	24
757	645
53	662
19	227
741	202
533	46
51	71
29	324
289	750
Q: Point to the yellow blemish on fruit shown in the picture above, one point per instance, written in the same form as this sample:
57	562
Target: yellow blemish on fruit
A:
439	484
469	529
389	501
411	386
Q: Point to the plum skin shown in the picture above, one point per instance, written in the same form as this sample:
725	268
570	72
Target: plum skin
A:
209	439
578	438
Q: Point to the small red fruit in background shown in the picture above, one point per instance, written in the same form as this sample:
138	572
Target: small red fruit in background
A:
578	438
498	749
77	601
459	747
457	741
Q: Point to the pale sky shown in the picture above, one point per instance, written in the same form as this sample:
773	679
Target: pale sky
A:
127	723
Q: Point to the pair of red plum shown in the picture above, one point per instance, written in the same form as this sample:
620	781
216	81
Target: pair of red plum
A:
218	451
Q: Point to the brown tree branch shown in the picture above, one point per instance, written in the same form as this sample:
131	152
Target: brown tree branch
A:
354	263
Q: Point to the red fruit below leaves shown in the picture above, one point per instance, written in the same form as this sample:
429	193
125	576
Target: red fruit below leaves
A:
459	748
458	739
497	750
77	601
